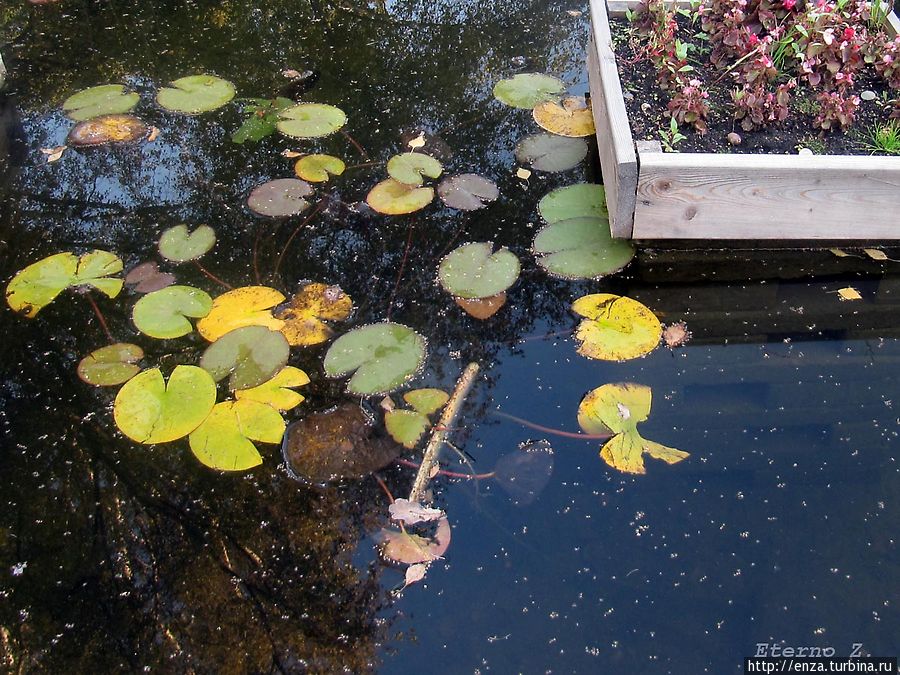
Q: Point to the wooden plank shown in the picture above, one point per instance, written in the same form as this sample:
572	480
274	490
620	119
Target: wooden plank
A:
761	197
618	160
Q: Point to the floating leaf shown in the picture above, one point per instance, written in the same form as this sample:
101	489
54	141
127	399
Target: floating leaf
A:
108	129
318	168
676	334
840	253
154	134
248	356
417	142
196	94
526	90
482	308
409	549
310	120
54	154
262	119
524	174
107	99
384	356
411	513
574	201
277	392
406	426
280	198
304	317
615	328
581	248
148	410
426	401
525	473
410	168
36	286
467	192
245	306
875	254
224	440
573	118
111	365
163	314
476	271
178	244
414	573
396	199
849	293
147	278
549	152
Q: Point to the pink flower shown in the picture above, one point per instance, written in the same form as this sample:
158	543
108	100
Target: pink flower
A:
789	4
754	40
849	33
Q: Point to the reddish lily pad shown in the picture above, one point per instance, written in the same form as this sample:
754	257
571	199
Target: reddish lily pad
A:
280	198
467	192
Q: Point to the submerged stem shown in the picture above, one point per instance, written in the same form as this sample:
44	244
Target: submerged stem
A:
212	276
100	317
319	206
449	474
550	430
359	148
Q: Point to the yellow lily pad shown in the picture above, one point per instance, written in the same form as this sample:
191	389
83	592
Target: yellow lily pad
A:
245	306
393	198
304	318
572	119
277	392
224	440
318	168
615	328
108	129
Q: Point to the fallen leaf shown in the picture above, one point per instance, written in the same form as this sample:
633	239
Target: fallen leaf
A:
418	141
304	317
482	308
410	513
875	254
415	573
573	12
54	154
403	547
291	154
524	174
291	74
840	253
849	293
676	334
154	134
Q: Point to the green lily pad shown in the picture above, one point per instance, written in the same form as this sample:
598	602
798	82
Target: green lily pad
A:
107	99
179	245
410	168
318	168
581	248
280	198
574	201
262	118
467	192
248	356
393	198
163	314
111	365
224	440
196	94
426	401
549	152
37	285
476	271
406	426
148	410
278	391
384	356
526	90
310	120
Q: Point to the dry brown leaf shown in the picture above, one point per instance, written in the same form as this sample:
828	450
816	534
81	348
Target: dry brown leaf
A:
154	134
676	334
482	308
573	12
415	573
291	154
54	154
524	174
840	253
387	404
849	293
418	141
875	254
291	74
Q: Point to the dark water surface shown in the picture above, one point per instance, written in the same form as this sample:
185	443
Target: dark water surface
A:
781	527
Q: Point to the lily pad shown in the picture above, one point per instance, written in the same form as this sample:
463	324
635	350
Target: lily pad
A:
280	198
196	94
224	440
107	129
573	118
278	391
178	244
318	168
305	316
37	285
476	271
526	90
581	200
163	314
467	191
262	119
248	356
107	99
393	198
148	410
615	328
244	306
406	426
310	120
525	473
426	401
482	308
410	168
548	152
581	248
384	356
147	278
111	365
402	547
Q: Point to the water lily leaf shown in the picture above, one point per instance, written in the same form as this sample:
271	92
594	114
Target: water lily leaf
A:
107	99
148	410
224	440
163	314
37	285
310	120
278	391
467	191
262	118
196	94
625	452
573	118
406	426
582	200
402	547
410	168
318	168
581	248
107	129
178	244
482	308
524	474
244	306
615	328
549	152
384	356
414	573
248	356
411	513
305	316
147	278
280	198
426	401
526	90
393	198
111	365
476	271
614	408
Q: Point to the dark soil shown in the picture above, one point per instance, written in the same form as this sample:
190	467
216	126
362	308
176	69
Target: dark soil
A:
646	103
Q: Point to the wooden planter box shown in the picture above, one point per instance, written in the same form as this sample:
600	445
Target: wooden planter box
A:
654	195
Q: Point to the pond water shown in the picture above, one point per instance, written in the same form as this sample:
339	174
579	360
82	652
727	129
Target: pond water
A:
781	526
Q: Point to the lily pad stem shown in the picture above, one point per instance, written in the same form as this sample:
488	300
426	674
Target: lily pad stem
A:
384	487
449	474
400	271
212	276
100	317
362	152
550	430
319	206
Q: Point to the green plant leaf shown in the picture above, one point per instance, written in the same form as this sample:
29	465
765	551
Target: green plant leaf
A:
262	119
310	120
526	90
277	392
581	248
280	198
148	410
163	314
426	401
179	245
574	201
410	168
106	99
248	356
384	356
196	94
549	152
615	328
476	271
318	168
467	191
224	440
393	198
406	426
111	365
